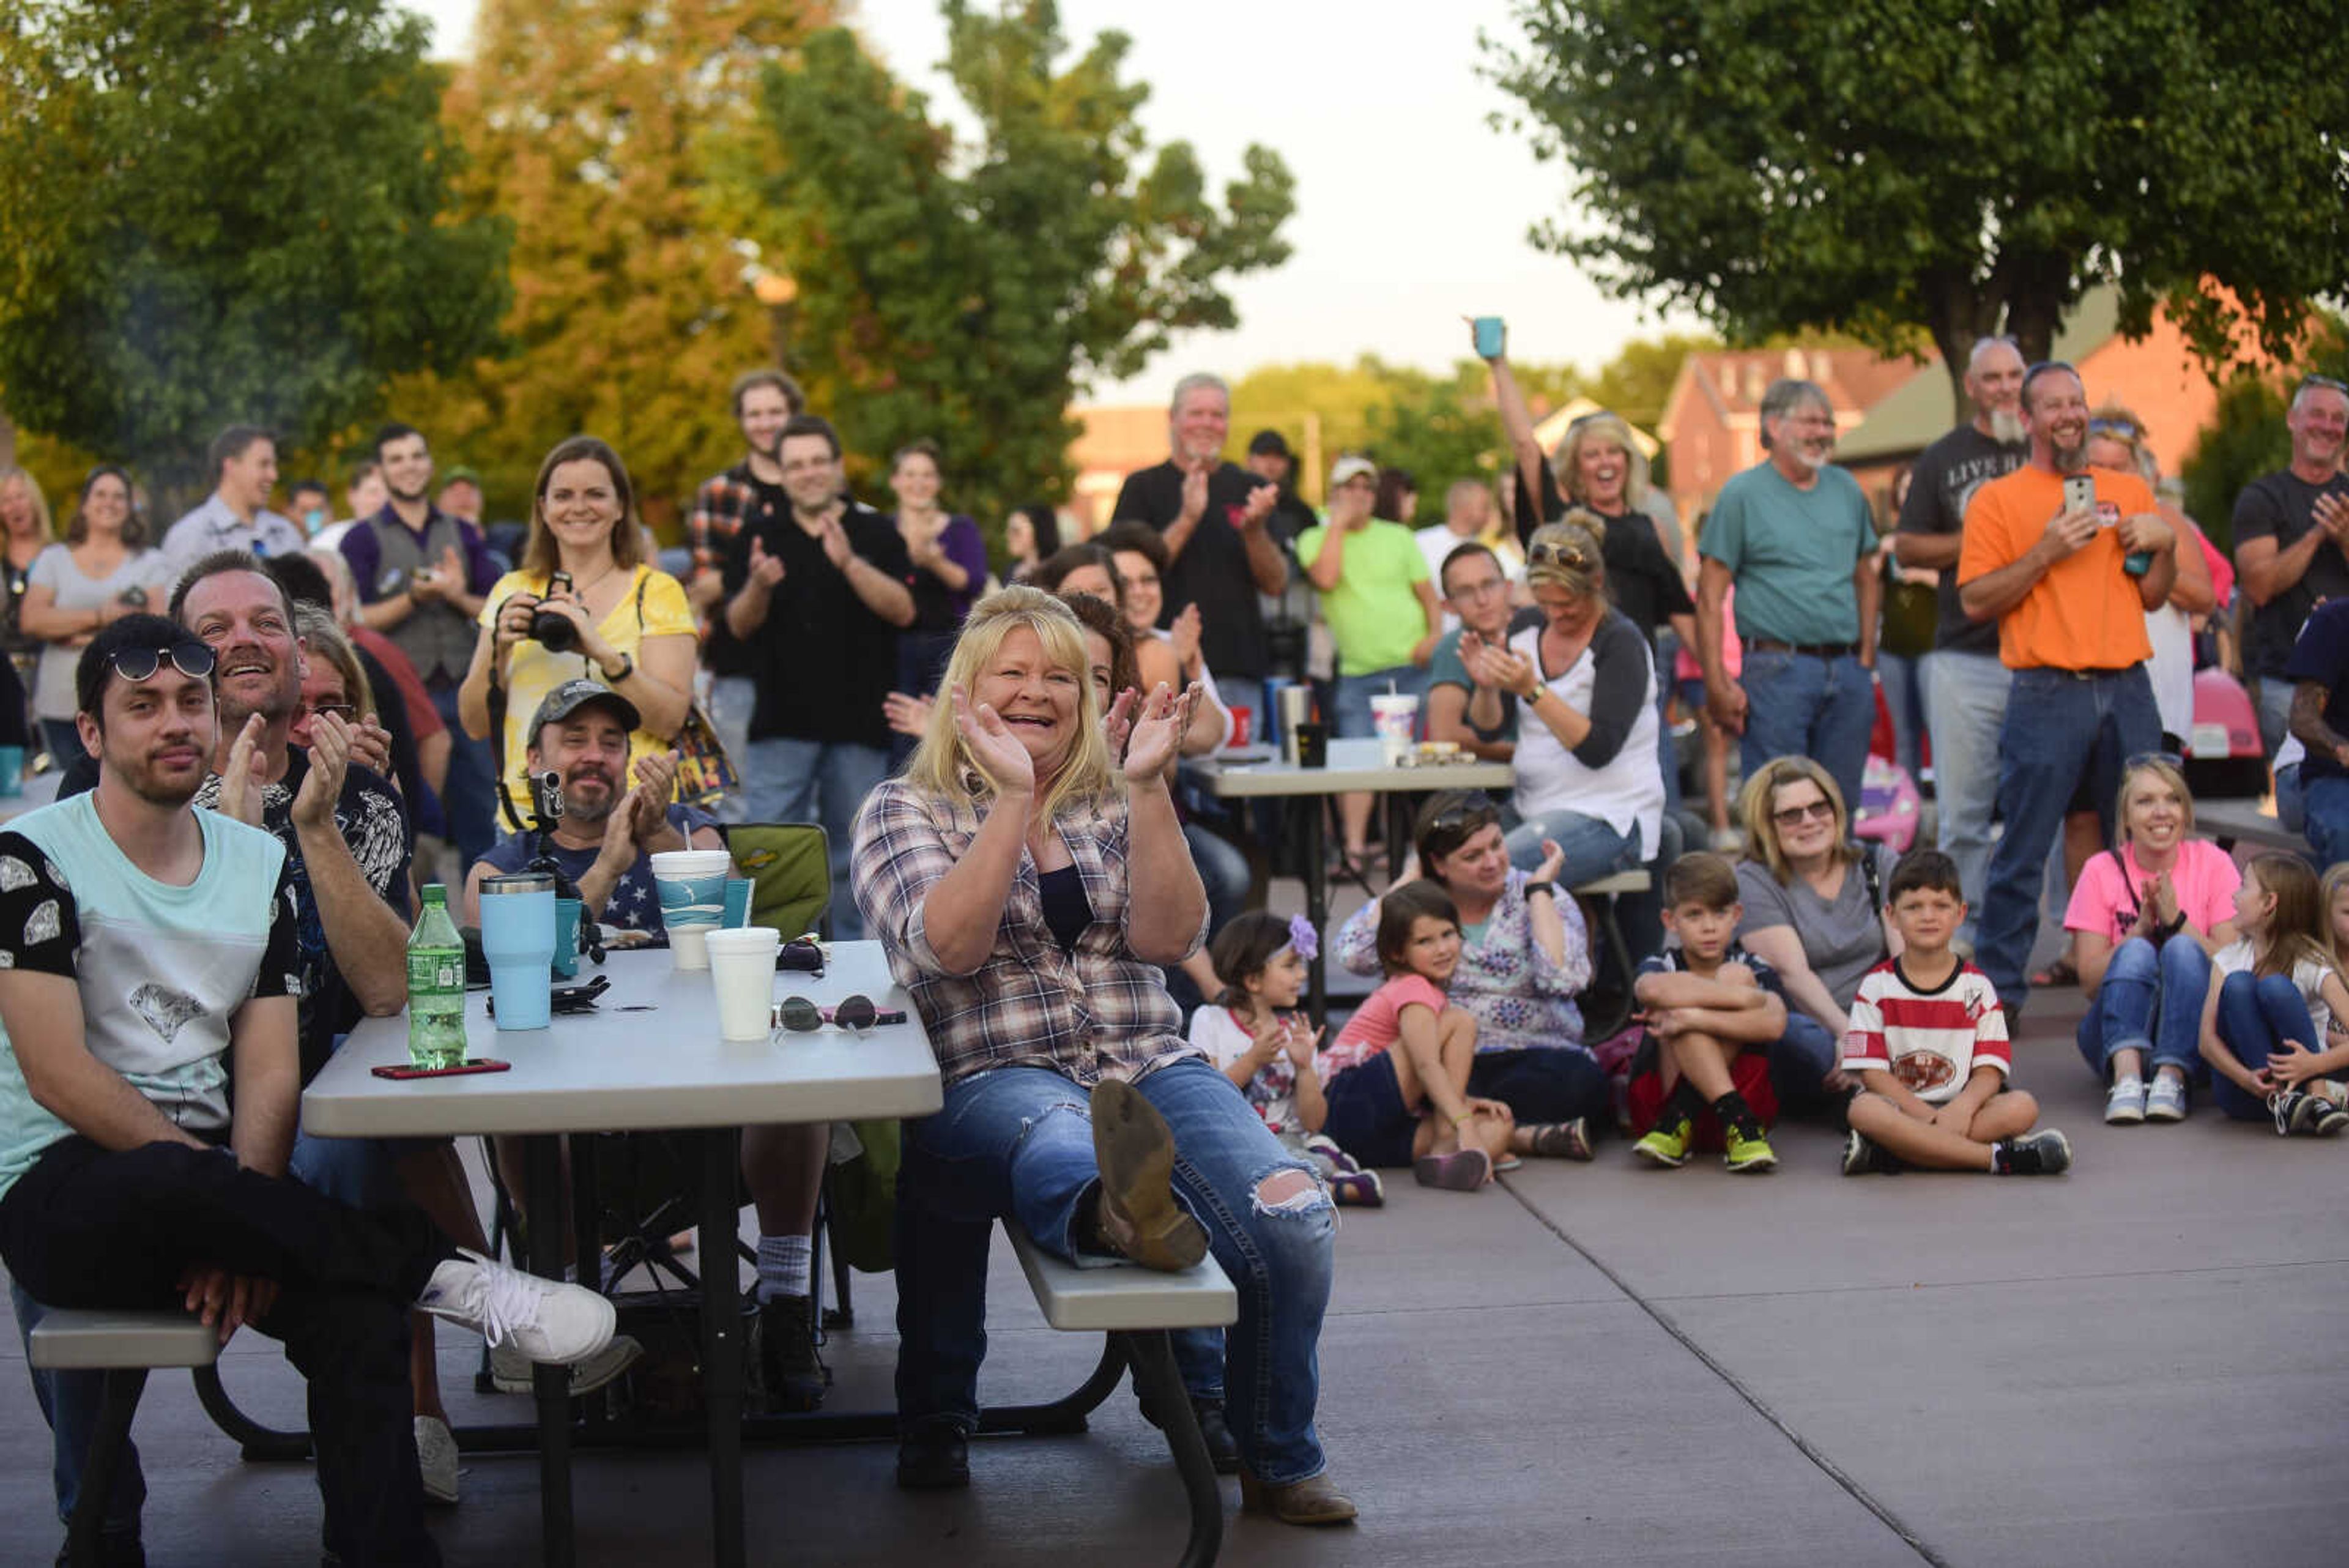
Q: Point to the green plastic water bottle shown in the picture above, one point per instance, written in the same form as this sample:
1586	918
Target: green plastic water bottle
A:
436	985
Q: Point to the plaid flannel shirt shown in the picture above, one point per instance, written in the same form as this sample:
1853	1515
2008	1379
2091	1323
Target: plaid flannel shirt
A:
718	507
1096	1012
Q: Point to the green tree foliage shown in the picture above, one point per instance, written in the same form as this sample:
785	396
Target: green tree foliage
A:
1871	165
222	211
593	127
2246	437
969	292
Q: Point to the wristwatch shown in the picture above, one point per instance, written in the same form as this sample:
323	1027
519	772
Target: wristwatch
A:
1533	887
627	668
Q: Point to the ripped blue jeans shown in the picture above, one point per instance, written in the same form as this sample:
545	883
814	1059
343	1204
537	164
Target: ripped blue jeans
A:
1018	1142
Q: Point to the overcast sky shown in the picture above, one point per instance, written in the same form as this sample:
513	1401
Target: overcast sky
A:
1410	211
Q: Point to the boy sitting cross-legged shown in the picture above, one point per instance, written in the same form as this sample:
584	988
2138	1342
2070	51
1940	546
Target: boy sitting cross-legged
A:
1706	1003
1929	1045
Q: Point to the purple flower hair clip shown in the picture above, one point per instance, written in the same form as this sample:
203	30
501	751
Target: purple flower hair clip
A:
1303	940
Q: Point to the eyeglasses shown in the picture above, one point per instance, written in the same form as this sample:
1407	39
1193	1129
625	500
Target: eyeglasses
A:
137	664
1820	810
347	712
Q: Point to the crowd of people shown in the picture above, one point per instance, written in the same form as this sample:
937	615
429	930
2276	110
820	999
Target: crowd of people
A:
256	716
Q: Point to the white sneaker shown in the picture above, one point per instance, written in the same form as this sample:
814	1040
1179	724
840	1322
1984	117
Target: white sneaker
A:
554	1323
509	1368
2165	1101
2126	1103
436	1456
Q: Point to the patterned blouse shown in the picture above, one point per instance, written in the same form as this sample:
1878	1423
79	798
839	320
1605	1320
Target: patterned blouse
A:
1520	1000
1096	1012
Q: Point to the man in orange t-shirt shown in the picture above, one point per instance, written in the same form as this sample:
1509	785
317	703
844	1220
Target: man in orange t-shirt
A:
2069	587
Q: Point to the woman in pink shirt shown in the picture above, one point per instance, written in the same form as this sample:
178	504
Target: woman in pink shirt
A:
2145	918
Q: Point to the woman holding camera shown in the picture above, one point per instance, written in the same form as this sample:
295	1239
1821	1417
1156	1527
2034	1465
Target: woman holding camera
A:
583	602
103	571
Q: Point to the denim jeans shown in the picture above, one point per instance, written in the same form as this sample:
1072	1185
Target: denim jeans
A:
2256	1014
2149	1002
2060	729
1797	704
469	799
1545	1083
731	700
70	1403
1965	703
1902	680
2325	807
1800	1060
816	781
1354	693
1593	850
1017	1142
2273	696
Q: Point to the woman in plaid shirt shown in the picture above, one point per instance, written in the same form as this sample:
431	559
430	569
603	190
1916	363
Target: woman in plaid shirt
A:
1028	889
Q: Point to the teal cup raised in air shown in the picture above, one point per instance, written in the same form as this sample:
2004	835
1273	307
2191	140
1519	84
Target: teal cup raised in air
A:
518	940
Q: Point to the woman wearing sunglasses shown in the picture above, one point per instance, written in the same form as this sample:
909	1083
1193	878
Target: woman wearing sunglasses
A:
1589	778
1028	884
1814	912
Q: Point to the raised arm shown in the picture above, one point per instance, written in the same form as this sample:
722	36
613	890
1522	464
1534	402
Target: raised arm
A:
1166	904
367	939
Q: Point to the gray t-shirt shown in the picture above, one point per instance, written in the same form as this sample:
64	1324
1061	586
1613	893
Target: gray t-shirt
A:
1947	474
2282	506
1842	940
53	568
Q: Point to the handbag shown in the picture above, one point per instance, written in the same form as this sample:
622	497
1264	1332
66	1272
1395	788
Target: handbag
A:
705	772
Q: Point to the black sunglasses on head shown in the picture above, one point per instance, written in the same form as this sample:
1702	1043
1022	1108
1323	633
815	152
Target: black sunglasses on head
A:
137	664
1573	557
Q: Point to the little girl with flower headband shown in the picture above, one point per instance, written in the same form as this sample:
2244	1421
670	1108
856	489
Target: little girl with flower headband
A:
1252	1033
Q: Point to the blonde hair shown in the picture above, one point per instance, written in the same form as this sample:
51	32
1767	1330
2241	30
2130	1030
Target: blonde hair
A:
1754	810
2335	878
1608	425
322	638
1582	568
942	764
2126	429
13	475
2167	771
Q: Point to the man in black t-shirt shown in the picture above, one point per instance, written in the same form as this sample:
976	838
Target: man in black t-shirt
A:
817	597
2292	530
1215	516
1965	683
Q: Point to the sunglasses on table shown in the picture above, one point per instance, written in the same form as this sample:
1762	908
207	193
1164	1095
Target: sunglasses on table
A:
800	1016
1821	810
137	664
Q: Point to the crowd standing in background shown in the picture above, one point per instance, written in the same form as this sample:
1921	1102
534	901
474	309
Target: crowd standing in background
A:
1008	778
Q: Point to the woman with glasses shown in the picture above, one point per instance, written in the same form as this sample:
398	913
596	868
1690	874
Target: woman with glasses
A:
1814	910
1028	884
1524	955
2144	920
1588	775
331	681
102	571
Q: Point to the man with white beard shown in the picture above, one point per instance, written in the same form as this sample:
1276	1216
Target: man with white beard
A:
1793	534
1965	684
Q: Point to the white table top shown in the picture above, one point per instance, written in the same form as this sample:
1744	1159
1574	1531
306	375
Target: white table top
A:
1356	764
661	1066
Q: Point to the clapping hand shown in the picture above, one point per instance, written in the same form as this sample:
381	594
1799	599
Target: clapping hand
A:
1553	861
1184	637
371	746
834	540
906	715
1494	665
1158	728
1259	506
765	570
1117	724
1194	493
2332	515
1300	1042
649	802
994	750
322	786
240	781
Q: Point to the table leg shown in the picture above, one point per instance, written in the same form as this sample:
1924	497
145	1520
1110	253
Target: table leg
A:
721	1328
542	1160
1317	911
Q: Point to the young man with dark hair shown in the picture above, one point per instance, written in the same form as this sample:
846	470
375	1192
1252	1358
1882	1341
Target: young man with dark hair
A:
309	504
421	575
236	514
150	951
1468	700
1929	1042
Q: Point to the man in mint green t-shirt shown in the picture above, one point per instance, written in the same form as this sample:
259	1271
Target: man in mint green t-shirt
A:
1381	608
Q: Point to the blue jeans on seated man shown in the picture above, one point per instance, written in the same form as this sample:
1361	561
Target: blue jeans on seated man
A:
826	781
1017	1143
1800	1060
1800	705
1594	849
2256	1014
2325	807
2060	729
70	1403
2150	1002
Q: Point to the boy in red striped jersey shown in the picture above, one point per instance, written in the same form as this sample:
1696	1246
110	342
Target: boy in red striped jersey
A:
1928	1043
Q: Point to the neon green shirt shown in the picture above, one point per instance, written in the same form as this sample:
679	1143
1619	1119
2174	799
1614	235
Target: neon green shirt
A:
1374	613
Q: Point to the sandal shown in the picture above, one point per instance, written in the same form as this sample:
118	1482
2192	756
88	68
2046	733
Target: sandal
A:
1561	1140
1507	1163
2060	972
1462	1170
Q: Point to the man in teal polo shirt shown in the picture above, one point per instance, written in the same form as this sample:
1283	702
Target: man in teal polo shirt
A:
1792	535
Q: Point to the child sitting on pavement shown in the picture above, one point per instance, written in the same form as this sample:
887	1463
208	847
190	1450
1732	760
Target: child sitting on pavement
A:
1406	1053
2274	995
1929	1042
1252	1032
1706	1000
